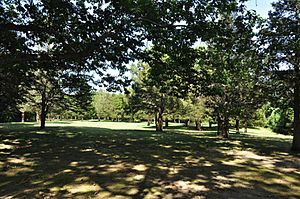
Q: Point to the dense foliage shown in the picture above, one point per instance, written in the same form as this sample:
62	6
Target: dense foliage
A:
211	61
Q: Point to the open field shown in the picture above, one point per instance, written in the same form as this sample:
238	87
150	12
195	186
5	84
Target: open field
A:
130	160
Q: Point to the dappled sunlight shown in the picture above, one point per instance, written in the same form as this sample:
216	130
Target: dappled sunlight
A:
140	167
42	132
6	146
81	188
91	162
187	186
115	167
16	171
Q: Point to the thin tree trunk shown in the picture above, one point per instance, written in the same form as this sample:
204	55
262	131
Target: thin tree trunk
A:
237	126
246	126
296	136
159	122
186	123
37	116
166	123
219	125
225	132
198	125
156	121
43	120
43	111
148	122
23	116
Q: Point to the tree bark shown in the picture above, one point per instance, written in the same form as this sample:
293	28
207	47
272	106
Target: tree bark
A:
37	116
23	116
161	108
159	121
225	128
148	122
237	126
296	133
186	123
43	111
198	125
166	123
246	127
219	125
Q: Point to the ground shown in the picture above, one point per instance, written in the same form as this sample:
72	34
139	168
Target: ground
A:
130	160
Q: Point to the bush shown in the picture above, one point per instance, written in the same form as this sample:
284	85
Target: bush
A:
281	121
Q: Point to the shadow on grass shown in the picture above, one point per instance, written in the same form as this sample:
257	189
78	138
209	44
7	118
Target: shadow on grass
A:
59	122
183	127
88	162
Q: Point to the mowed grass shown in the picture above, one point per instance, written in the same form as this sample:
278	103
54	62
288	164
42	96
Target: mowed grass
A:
130	160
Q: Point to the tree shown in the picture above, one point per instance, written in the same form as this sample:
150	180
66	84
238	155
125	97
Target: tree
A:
109	105
282	38
232	64
150	96
13	84
52	89
194	108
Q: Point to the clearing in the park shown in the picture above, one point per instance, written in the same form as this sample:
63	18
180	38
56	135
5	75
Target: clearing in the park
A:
81	159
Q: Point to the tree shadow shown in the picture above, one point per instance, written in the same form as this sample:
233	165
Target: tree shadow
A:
83	162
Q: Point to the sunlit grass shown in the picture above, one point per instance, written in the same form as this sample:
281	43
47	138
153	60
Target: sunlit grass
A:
90	159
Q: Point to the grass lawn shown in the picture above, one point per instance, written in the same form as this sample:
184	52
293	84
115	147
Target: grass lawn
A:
130	160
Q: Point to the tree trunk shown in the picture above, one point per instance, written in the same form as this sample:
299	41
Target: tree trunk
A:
159	121
198	125
186	123
237	126
23	116
219	125
37	116
148	122
43	120
246	127
225	129
43	112
296	133
166	123
210	124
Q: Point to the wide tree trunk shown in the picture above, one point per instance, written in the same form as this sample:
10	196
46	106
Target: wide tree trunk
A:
296	137
237	126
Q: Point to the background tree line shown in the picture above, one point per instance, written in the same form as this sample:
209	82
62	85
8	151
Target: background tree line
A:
49	49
